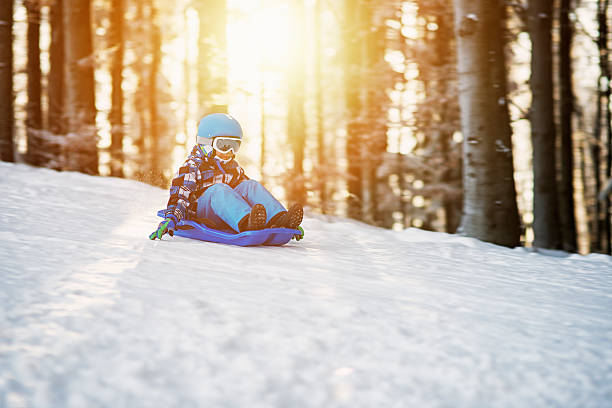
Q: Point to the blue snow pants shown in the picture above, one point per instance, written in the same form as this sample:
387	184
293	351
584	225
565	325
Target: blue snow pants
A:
222	204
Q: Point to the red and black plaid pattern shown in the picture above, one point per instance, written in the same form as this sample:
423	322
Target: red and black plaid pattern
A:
199	172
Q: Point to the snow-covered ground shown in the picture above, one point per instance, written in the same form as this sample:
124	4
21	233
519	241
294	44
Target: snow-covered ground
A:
94	314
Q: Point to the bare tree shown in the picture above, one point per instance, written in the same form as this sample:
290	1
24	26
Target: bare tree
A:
296	126
321	153
157	168
262	134
56	83
353	35
7	113
116	113
603	101
378	78
606	226
568	218
546	223
490	211
82	152
142	51
36	146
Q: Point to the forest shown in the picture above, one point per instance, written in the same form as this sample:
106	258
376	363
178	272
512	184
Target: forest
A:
490	119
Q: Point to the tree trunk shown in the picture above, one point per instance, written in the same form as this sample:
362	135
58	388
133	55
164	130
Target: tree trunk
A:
352	76
546	224
212	57
142	51
444	49
583	148
296	126
56	83
116	112
187	84
262	146
606	227
489	212
567	210
376	102
322	170
597	227
157	170
82	151
596	242
36	146
7	112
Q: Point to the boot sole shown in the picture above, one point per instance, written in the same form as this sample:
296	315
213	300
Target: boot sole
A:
296	214
258	217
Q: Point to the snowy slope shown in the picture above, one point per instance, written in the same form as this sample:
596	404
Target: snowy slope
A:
93	314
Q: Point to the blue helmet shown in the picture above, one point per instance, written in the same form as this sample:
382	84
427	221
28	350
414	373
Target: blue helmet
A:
217	124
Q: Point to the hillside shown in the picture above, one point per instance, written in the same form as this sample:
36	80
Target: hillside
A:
94	314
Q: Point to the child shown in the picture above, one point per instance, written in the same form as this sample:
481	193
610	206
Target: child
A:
212	188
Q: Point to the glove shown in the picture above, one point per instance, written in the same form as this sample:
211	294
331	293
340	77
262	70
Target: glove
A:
299	237
166	226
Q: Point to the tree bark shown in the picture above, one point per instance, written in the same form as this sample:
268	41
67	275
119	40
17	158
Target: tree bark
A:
606	201
7	109
352	63
595	230
56	82
376	101
187	82
157	170
444	49
141	51
322	170
36	146
82	151
116	113
567	208
489	212
262	135
296	121
546	224
597	227
606	227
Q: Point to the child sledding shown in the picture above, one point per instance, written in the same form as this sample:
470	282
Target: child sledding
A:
212	199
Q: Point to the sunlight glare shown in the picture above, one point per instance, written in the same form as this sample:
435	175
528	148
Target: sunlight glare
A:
258	41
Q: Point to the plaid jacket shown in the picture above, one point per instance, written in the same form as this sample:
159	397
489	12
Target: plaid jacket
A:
200	171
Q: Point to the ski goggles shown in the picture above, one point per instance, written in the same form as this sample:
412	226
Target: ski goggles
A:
225	144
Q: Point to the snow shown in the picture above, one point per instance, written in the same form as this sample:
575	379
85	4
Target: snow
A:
93	314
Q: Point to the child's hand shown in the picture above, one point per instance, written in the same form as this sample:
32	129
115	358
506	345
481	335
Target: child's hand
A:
166	226
299	237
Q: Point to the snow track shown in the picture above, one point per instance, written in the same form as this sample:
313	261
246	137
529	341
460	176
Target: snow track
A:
94	314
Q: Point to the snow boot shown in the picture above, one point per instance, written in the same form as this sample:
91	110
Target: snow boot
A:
256	220
294	216
288	219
